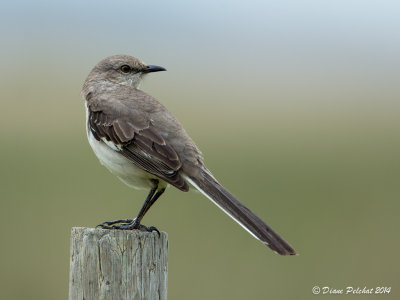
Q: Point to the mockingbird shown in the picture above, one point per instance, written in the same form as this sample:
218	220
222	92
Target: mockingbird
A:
138	140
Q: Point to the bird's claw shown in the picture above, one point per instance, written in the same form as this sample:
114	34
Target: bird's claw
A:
127	224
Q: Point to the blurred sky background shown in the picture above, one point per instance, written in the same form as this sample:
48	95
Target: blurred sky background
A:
295	105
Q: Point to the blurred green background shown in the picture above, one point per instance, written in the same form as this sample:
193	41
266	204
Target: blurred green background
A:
295	105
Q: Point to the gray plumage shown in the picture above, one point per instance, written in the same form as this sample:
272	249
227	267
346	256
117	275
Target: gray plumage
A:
138	140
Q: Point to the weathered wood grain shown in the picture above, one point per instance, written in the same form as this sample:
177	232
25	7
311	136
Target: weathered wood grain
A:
118	264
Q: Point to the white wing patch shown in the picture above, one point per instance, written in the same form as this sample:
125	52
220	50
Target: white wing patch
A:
111	144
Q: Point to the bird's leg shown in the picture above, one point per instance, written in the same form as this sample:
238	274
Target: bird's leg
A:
123	223
129	224
147	204
135	224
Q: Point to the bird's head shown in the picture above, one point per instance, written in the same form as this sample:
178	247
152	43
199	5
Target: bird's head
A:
123	69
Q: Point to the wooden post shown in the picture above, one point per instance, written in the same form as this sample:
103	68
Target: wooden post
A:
118	264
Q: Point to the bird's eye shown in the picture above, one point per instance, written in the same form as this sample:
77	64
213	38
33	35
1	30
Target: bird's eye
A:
126	68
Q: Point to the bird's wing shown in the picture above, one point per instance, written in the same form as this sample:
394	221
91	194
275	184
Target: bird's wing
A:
138	140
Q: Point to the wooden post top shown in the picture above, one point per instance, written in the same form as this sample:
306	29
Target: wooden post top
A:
118	264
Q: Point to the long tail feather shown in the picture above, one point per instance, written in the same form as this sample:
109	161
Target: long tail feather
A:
240	213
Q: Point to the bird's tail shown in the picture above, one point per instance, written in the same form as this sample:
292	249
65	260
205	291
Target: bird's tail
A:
207	184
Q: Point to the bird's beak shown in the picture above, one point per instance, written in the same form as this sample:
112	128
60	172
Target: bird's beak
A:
151	68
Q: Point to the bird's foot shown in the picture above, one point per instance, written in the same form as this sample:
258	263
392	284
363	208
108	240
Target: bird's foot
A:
114	224
127	224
